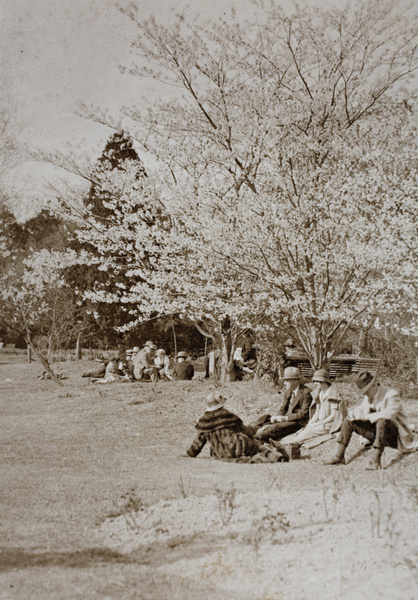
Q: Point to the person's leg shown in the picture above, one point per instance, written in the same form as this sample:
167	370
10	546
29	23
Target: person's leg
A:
386	435
277	431
363	428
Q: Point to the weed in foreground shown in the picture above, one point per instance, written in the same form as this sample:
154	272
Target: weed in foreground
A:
267	529
129	506
226	503
184	489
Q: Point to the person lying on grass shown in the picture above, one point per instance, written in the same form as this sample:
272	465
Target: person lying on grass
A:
229	438
380	418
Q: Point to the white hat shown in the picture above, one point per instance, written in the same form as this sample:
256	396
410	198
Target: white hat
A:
215	400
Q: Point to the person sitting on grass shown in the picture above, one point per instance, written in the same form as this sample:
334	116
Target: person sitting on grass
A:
293	412
229	438
183	370
380	418
327	411
143	364
162	362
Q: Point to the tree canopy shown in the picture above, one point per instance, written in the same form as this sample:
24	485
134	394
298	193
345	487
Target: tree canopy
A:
286	171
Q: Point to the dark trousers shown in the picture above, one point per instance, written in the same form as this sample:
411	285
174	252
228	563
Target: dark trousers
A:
382	433
277	431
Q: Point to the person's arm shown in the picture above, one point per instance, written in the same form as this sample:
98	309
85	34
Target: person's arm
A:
197	445
390	411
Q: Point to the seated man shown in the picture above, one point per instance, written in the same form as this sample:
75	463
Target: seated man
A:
293	413
143	364
183	370
380	418
228	437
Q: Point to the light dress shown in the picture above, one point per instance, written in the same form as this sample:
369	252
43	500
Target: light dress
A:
325	420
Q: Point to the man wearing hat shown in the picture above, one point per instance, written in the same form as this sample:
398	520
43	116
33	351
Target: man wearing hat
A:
143	363
293	413
380	418
183	370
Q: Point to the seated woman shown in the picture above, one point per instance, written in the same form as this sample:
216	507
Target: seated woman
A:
228	437
326	412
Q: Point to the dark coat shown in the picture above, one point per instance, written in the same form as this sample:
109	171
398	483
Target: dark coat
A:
226	435
183	370
296	409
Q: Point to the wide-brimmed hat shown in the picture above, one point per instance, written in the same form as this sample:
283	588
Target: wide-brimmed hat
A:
135	350
322	376
292	373
151	346
182	354
149	343
161	352
215	400
364	380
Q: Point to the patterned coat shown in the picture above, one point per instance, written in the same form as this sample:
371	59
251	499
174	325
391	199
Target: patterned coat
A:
226	435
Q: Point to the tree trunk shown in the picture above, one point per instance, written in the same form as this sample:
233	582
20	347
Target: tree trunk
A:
43	361
175	341
78	349
227	365
29	354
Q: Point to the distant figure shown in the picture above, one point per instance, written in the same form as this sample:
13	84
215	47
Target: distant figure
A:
143	364
240	368
213	364
162	362
183	370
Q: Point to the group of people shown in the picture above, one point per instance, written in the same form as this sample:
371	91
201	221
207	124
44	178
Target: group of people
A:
304	414
146	364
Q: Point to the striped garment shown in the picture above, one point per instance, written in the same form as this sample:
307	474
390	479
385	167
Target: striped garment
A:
226	434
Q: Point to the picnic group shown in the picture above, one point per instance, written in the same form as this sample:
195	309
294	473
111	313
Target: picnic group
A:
304	416
307	416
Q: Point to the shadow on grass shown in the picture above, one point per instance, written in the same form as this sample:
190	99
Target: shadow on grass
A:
155	555
12	558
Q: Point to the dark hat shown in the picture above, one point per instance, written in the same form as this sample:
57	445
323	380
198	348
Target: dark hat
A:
364	380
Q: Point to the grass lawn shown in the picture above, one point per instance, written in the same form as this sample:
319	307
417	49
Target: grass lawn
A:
99	500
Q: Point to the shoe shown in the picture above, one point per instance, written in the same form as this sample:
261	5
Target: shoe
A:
337	460
281	449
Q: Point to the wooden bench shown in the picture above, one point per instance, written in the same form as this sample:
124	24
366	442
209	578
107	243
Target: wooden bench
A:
342	366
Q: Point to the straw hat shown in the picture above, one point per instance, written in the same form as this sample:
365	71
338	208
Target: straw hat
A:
322	376
215	400
160	352
182	354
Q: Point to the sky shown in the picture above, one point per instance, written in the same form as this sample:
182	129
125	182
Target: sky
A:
55	53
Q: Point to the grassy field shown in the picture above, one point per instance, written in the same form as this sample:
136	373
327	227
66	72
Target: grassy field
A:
98	499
